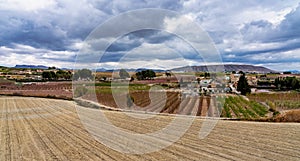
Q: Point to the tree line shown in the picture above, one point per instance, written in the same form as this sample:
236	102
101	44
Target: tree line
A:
141	75
145	74
82	74
289	83
60	74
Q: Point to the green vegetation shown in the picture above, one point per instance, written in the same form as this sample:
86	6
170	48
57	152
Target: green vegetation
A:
49	75
59	75
278	101
85	74
287	83
145	74
243	108
106	87
243	85
259	109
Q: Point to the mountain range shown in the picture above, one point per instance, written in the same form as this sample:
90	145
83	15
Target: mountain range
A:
202	68
31	66
226	67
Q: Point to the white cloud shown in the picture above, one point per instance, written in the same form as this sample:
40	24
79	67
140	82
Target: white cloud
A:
24	54
28	5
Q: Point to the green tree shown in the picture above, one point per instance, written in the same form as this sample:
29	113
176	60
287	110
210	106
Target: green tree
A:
51	67
243	85
206	75
53	75
83	74
64	74
145	74
124	74
295	83
287	83
76	76
49	75
46	75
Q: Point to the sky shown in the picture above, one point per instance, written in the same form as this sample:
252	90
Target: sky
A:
54	32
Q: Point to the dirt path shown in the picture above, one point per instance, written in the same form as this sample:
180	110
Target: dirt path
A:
47	129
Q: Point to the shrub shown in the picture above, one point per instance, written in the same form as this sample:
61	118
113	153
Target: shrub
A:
275	113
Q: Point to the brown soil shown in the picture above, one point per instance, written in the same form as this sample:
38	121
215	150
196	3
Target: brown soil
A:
47	129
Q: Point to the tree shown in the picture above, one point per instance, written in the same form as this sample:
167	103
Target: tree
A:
243	85
83	74
61	74
51	68
131	79
139	76
49	75
46	75
76	76
294	83
198	80
168	74
53	75
206	75
145	74
124	74
287	83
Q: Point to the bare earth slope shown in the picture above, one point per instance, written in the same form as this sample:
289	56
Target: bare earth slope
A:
47	129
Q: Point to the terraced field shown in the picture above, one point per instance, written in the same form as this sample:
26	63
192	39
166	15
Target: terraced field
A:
48	129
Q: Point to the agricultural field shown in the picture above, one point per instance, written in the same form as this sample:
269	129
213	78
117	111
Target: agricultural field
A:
254	107
48	89
239	107
174	103
279	100
47	129
229	106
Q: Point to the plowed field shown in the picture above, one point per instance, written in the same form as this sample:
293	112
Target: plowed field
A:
48	129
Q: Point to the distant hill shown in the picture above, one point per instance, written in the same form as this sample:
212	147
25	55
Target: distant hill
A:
128	70
227	67
32	66
294	71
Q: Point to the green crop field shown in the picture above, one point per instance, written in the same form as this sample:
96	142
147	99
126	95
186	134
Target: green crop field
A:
238	107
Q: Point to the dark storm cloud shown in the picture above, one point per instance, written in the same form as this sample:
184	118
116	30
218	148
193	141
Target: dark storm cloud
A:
38	37
151	36
286	47
46	27
137	38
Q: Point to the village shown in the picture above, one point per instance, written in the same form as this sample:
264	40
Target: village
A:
204	81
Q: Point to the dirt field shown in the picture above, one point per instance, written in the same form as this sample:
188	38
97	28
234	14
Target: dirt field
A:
47	129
